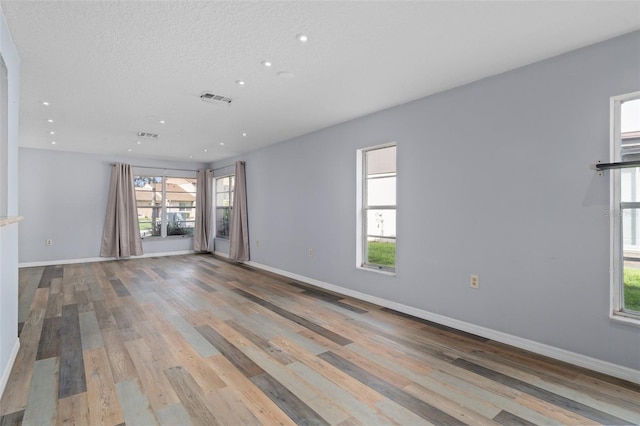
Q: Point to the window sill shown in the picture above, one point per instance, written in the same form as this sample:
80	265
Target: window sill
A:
625	319
377	271
168	237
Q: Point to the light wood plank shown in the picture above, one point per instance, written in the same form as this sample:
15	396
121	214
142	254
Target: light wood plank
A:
104	407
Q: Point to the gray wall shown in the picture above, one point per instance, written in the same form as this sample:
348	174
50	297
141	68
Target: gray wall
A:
63	197
493	179
9	190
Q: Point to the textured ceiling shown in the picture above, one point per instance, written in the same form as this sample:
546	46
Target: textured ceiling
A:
112	69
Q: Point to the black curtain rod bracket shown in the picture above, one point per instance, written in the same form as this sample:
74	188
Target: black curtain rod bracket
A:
601	167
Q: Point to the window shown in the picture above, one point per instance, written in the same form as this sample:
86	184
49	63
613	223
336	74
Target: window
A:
625	208
377	208
224	203
166	205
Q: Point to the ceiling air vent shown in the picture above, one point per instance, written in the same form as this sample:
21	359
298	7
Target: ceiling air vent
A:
148	135
215	99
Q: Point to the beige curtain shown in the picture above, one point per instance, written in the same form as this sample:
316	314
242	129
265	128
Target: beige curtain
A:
239	232
121	235
202	238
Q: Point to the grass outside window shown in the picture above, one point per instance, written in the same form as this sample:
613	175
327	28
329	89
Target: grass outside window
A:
382	253
632	289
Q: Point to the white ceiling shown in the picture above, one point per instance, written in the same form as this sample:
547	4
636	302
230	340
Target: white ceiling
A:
112	69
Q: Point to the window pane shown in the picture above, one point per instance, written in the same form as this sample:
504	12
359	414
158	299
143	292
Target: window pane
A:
222	199
631	250
630	184
381	252
381	191
381	161
223	220
381	223
222	184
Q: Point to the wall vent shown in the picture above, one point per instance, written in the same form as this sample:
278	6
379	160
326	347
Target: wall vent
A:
215	99
148	135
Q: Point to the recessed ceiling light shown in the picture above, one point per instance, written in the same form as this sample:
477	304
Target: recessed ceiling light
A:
244	134
52	132
50	121
205	150
53	142
285	74
162	122
45	103
301	37
266	63
129	149
221	143
240	82
138	142
191	156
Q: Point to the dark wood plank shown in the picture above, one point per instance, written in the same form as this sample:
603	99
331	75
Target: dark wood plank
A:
120	289
436	325
161	273
104	316
508	419
143	276
72	375
273	351
191	396
49	344
293	406
334	299
544	395
54	305
328	334
197	282
12	419
408	401
322	295
125	324
233	354
49	273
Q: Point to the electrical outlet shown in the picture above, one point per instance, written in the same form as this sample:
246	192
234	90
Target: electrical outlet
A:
310	252
49	242
475	281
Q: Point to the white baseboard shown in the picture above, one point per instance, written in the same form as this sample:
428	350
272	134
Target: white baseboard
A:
509	339
99	259
7	368
221	254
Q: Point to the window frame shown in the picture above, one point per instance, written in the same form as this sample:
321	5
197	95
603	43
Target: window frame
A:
616	210
163	208
362	208
231	192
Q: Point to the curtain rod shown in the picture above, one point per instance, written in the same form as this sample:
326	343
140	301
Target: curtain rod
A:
620	165
181	170
161	168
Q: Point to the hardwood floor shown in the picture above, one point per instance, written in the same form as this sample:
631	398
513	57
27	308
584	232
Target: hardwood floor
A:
197	340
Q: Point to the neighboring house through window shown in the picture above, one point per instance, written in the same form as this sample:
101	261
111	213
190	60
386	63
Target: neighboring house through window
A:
376	245
166	205
224	204
625	208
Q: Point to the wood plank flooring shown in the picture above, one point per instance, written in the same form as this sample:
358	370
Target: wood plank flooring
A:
195	339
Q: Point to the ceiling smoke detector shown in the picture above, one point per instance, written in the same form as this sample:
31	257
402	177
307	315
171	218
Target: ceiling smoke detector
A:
215	99
148	135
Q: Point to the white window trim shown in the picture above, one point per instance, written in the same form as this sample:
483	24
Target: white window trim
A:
163	209
615	270
360	202
215	206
